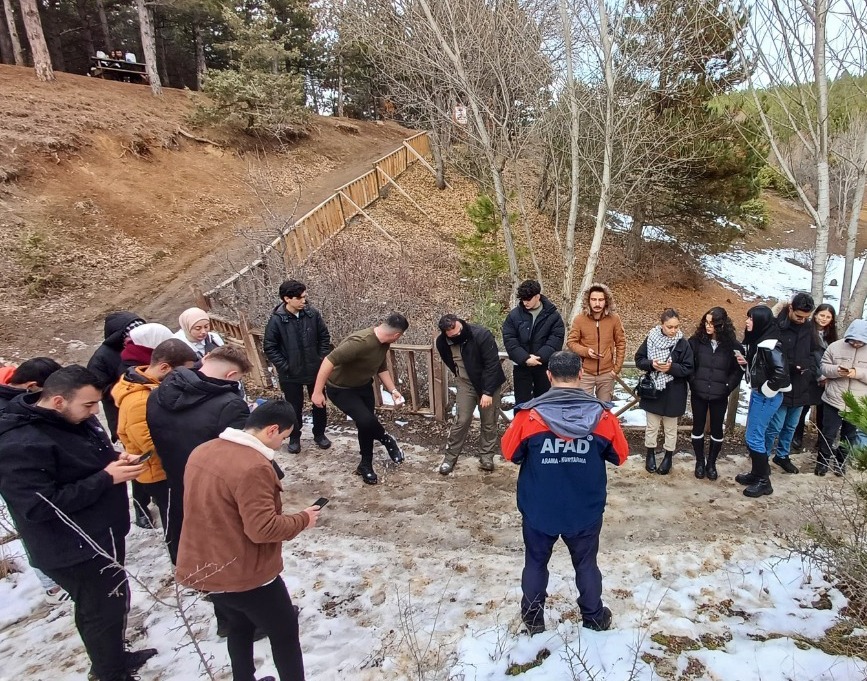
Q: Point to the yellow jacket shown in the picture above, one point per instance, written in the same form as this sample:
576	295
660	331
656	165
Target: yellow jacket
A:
130	395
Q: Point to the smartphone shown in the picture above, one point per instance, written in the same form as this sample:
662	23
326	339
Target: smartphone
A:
144	457
738	353
320	502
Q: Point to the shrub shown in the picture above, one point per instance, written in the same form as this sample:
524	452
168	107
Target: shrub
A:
771	178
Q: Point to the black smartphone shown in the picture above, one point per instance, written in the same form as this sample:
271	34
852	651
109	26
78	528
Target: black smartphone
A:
320	502
144	457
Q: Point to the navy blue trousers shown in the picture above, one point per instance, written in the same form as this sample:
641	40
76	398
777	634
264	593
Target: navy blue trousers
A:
583	547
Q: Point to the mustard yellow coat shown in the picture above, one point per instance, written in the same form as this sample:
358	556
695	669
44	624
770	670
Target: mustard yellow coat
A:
130	395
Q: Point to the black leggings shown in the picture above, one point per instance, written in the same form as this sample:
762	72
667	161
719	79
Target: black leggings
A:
358	404
717	409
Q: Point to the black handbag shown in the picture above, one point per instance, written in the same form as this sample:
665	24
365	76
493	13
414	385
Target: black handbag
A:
647	389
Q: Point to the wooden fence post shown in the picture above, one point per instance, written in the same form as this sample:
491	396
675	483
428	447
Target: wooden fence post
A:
732	409
440	384
260	373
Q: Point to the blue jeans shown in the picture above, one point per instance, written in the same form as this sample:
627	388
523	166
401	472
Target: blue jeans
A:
762	409
782	428
583	547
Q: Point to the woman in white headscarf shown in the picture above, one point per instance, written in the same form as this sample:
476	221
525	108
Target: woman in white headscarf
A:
196	331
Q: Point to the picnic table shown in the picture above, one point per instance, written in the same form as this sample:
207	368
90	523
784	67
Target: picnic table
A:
117	69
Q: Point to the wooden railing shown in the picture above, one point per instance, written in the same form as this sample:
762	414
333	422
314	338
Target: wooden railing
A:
309	232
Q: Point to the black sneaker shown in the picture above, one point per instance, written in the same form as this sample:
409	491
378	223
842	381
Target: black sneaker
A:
367	474
393	449
135	659
294	446
784	463
602	624
321	441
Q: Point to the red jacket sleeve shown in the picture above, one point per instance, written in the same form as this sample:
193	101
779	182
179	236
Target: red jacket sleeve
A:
609	428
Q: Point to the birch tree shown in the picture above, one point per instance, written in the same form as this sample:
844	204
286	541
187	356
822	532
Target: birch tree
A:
36	38
9	12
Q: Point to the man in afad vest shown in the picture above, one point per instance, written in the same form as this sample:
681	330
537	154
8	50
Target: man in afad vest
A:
562	441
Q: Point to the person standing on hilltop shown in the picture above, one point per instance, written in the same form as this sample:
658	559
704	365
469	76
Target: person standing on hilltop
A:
667	358
471	353
532	332
346	376
718	372
598	337
296	340
196	331
562	441
105	363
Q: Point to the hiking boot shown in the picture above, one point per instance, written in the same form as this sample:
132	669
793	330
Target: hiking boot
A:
784	463
321	441
602	624
760	488
665	466
486	465
367	474
446	467
294	446
710	468
650	460
393	449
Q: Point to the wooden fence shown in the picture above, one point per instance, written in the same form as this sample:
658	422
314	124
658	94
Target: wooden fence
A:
309	232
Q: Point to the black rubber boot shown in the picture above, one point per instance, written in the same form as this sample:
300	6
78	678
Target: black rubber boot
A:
650	460
710	468
698	448
665	466
752	477
762	486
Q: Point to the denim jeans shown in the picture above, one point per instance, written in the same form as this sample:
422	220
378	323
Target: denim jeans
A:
762	409
782	429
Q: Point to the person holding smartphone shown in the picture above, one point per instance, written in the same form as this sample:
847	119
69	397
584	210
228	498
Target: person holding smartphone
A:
844	366
719	361
668	358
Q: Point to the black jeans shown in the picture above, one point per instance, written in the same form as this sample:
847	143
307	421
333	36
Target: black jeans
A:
832	425
358	404
717	410
529	382
174	518
799	429
269	609
101	597
294	394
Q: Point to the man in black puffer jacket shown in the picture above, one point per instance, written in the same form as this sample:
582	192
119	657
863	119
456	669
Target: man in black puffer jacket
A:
105	363
532	332
190	407
803	352
56	458
296	339
471	353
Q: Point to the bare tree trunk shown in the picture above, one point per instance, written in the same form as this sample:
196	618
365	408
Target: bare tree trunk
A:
524	218
103	24
162	62
605	181
823	190
149	45
340	94
201	65
7	54
36	38
436	151
86	27
17	52
852	307
545	186
634	238
574	133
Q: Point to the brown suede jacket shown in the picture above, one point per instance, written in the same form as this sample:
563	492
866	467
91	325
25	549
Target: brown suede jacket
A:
606	336
233	523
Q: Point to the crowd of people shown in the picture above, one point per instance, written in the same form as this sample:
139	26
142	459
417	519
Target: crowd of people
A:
181	431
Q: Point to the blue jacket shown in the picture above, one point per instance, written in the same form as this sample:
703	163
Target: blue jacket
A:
562	441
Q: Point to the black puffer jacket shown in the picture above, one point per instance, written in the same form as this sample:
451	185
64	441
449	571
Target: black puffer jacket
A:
803	351
672	401
522	338
105	363
7	394
480	354
187	410
41	453
296	345
716	372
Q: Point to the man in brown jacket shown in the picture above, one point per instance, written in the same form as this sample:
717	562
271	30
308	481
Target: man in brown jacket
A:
597	336
232	537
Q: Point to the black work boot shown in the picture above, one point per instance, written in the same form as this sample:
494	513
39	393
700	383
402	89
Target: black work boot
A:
752	477
650	460
294	445
698	448
762	486
710	468
665	466
785	463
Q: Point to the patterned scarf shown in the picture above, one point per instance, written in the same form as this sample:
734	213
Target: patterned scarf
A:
659	348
